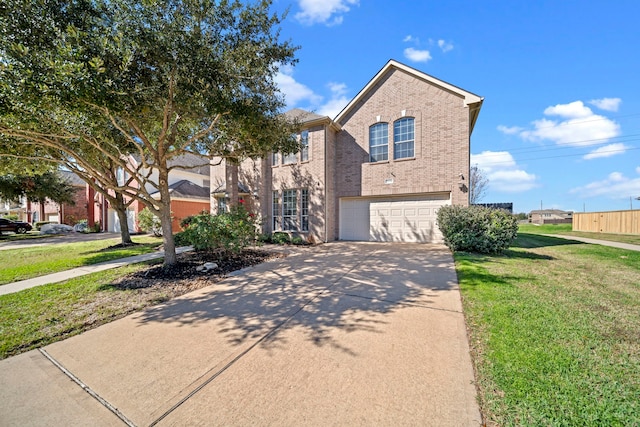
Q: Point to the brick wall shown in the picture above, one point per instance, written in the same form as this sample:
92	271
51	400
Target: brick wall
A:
441	141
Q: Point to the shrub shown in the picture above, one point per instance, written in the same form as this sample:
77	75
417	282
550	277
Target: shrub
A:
280	239
11	217
149	222
229	231
477	228
298	241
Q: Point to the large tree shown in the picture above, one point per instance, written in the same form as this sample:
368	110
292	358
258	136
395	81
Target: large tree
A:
168	76
37	188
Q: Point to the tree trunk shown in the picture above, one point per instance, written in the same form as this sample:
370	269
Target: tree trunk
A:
121	210
170	257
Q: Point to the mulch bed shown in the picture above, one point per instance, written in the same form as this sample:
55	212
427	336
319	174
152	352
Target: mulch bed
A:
184	277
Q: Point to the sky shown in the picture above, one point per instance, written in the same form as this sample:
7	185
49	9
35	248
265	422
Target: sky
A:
560	123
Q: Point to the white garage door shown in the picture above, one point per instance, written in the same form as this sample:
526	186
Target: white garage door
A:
397	219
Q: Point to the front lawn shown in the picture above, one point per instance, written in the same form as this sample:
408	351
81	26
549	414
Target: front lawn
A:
26	263
566	229
555	332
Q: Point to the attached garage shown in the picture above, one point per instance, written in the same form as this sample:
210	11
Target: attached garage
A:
392	219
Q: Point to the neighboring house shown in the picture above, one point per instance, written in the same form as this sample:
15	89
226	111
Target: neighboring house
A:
379	171
65	213
188	186
550	216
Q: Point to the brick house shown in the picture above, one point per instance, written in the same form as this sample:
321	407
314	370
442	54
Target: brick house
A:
188	186
379	171
64	213
550	216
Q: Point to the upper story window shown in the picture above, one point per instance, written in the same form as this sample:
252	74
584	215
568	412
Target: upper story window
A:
287	159
275	157
304	145
379	142
403	138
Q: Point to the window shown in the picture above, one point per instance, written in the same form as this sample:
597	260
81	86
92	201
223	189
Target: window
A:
304	209
304	146
403	138
288	159
277	215
290	210
379	142
274	159
222	205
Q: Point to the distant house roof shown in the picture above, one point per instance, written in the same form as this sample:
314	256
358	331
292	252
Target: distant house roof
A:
72	178
189	162
222	188
187	190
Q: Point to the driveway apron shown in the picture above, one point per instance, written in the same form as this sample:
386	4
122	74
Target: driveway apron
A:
339	334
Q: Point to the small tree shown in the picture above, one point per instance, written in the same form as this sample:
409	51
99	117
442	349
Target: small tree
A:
477	184
148	221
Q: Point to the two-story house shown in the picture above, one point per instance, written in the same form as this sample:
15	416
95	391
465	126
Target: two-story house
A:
379	171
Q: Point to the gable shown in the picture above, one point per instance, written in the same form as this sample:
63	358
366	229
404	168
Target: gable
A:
467	99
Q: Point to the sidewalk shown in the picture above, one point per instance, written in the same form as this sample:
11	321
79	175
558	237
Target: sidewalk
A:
347	334
619	245
10	288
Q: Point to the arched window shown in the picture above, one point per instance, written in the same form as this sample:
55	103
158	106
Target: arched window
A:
379	142
403	138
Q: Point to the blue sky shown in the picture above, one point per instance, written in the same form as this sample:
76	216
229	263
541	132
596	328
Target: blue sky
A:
560	124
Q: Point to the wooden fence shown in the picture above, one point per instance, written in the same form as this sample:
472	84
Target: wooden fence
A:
618	222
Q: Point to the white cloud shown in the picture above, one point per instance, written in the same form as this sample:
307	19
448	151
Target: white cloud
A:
329	12
503	173
293	91
578	126
607	104
445	46
509	130
607	151
409	38
337	102
417	55
615	186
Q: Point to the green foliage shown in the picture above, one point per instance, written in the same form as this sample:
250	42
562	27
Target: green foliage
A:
229	231
280	239
37	188
299	241
149	222
11	217
477	229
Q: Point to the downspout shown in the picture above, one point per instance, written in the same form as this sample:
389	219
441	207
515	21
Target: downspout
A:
326	192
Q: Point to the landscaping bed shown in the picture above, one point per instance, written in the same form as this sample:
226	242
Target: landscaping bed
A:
39	316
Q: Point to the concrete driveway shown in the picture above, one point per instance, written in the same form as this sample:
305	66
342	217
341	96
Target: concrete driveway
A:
340	334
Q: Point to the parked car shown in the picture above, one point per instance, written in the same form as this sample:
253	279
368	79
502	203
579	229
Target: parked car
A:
15	226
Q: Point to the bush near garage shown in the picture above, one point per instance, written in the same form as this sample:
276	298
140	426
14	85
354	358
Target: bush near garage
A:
477	228
228	232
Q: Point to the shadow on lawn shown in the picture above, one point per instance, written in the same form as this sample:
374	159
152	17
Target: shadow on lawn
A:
529	240
336	287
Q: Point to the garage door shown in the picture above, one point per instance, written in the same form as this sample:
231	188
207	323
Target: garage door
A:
397	219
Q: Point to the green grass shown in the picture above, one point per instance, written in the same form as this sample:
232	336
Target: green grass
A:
26	263
567	230
555	332
38	316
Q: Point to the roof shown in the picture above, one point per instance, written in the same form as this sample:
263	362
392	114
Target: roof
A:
308	119
188	162
72	178
222	188
550	211
473	101
187	190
